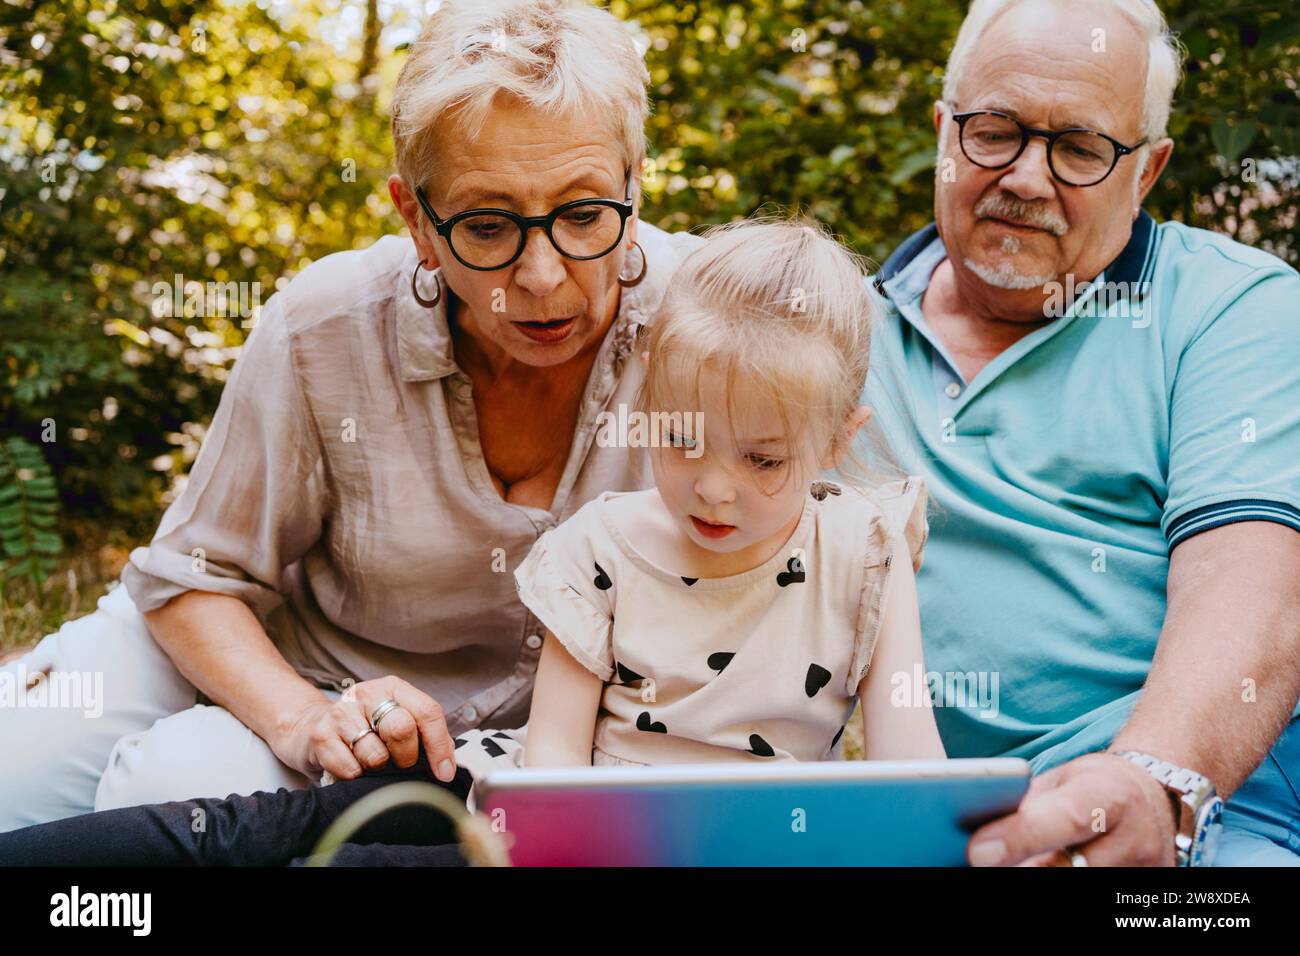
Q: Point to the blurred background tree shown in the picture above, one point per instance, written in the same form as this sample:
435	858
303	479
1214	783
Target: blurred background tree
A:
237	141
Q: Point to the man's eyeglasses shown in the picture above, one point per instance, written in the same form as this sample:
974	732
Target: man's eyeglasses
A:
487	239
1077	157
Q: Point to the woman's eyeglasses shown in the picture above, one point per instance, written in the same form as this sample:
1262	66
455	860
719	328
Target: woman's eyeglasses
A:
1077	157
487	239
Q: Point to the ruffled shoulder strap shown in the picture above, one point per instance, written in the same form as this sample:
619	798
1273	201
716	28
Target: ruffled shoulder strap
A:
903	504
899	524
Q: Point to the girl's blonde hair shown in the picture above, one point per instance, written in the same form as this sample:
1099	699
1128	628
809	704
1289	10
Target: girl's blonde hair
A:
780	311
562	57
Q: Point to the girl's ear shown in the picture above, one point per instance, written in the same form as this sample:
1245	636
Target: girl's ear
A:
645	358
852	425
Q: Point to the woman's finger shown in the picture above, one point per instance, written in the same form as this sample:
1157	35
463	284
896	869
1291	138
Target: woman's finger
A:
350	721
333	754
401	736
432	725
396	729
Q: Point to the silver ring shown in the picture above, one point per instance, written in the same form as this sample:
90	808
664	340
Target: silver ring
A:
353	742
382	710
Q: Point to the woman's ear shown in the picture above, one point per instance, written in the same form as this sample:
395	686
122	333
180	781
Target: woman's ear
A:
852	425
409	206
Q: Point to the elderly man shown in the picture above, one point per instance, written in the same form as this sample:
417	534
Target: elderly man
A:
1107	411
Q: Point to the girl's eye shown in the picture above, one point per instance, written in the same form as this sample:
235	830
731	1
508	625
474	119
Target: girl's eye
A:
674	440
765	464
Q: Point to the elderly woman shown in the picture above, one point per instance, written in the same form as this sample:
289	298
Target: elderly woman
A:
403	423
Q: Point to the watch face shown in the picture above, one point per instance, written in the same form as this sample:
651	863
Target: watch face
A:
1205	839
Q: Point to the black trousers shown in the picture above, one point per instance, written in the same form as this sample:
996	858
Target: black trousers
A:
263	829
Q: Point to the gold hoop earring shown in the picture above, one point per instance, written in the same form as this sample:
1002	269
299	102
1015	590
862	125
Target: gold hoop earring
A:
427	303
629	283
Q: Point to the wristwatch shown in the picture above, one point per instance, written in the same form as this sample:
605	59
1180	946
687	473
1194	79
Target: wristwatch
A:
1197	808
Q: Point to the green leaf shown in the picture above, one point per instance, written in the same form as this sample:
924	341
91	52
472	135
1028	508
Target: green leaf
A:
912	164
1231	140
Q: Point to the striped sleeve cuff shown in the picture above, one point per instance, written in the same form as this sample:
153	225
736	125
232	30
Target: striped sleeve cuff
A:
1229	512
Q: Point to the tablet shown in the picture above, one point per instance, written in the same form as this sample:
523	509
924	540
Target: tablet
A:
832	813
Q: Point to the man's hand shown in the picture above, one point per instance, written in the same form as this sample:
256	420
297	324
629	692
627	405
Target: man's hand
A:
318	737
1110	810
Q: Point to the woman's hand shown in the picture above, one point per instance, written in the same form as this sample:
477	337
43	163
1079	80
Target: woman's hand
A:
318	737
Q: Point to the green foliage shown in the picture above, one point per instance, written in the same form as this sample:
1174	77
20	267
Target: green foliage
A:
235	142
29	513
844	131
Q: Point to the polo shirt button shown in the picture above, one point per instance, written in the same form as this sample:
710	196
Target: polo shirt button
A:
471	714
952	389
534	641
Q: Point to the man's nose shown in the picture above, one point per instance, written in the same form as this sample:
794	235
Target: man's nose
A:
540	269
1030	176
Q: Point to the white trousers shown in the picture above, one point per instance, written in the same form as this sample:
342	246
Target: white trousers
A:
115	724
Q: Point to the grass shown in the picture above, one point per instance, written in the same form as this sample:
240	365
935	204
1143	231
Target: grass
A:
28	613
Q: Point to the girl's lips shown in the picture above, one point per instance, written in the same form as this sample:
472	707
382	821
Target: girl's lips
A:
547	333
709	530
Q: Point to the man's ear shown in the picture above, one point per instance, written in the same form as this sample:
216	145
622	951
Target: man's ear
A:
940	110
409	206
1157	159
852	425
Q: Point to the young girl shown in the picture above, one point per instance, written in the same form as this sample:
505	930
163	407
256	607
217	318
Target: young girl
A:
738	609
735	611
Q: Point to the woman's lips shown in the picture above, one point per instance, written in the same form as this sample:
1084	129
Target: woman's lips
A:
548	333
711	530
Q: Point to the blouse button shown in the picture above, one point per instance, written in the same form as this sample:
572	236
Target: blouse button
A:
471	714
534	641
952	390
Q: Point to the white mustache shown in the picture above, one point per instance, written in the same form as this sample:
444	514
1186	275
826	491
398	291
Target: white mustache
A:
1002	206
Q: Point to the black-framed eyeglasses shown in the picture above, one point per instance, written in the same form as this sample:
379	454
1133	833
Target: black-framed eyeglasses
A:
1076	156
487	239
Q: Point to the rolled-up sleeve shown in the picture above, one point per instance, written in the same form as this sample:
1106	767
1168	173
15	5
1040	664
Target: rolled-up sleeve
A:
255	498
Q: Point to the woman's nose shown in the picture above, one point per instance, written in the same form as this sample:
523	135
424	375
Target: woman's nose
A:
540	270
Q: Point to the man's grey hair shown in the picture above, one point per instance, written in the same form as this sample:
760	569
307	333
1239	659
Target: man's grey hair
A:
1164	53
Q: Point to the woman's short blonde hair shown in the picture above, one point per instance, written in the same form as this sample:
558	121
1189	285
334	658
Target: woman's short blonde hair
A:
778	310
563	57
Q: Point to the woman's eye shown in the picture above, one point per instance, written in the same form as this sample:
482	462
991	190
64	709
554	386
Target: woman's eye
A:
581	218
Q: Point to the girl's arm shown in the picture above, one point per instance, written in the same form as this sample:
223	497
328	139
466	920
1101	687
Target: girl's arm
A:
562	719
893	732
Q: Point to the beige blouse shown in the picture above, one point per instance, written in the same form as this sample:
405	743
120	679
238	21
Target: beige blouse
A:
342	494
763	665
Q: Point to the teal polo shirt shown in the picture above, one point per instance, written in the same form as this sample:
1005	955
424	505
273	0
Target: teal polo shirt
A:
1163	402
